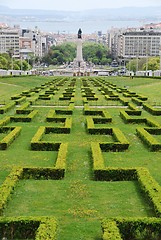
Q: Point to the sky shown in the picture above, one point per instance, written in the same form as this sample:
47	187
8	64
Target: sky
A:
76	5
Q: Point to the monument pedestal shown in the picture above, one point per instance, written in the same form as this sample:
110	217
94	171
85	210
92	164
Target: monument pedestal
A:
79	65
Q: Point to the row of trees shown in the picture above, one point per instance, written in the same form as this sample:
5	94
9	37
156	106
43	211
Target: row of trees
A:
96	53
7	62
92	52
142	64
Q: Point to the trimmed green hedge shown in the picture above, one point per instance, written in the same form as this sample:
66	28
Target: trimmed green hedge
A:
151	109
4	121
23	109
150	188
38	145
120	142
40	173
115	174
131	228
124	101
62	155
45	96
64	111
93	112
16	96
47	230
133	107
20	100
27	118
126	116
145	135
101	120
110	230
98	161
11	136
8	186
152	123
38	228
120	137
137	101
7	107
51	117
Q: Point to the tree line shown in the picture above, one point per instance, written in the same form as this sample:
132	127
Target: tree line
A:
142	64
65	53
96	53
8	62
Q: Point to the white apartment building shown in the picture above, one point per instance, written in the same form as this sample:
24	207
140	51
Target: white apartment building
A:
139	44
9	42
20	43
34	41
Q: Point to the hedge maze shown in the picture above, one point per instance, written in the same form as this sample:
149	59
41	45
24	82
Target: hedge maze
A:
79	160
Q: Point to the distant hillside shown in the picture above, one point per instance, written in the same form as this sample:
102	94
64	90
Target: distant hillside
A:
111	13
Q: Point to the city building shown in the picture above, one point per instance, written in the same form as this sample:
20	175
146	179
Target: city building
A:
140	43
34	41
10	42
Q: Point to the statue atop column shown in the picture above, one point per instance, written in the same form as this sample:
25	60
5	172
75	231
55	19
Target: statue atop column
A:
79	33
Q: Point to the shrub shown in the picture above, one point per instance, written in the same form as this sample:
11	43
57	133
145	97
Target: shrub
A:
152	110
110	231
4	121
6	141
7	107
148	139
23	109
8	186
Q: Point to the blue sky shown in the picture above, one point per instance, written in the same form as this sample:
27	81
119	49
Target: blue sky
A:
76	4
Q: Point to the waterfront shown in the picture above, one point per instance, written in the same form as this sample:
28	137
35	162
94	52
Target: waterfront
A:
71	26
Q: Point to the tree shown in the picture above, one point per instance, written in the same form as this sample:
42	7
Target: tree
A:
60	54
3	62
132	65
153	64
92	52
96	53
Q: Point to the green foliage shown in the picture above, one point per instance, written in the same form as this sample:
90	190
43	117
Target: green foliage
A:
47	230
3	62
7	62
11	136
77	201
151	189
153	64
141	64
8	186
4	121
65	53
96	53
38	228
7	107
110	231
132	228
151	109
60	54
148	139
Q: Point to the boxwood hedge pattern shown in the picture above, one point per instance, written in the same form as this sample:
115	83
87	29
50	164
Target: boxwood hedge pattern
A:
131	228
37	228
41	228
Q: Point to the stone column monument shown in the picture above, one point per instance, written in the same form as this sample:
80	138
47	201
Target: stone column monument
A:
79	64
79	55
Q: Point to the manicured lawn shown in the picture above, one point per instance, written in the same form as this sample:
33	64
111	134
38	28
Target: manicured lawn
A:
77	201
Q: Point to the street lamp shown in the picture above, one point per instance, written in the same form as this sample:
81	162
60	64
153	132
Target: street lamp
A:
160	56
35	42
21	63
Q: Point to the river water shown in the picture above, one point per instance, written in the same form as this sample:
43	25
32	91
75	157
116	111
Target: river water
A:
88	26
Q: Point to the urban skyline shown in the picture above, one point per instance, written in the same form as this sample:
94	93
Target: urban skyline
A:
77	5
